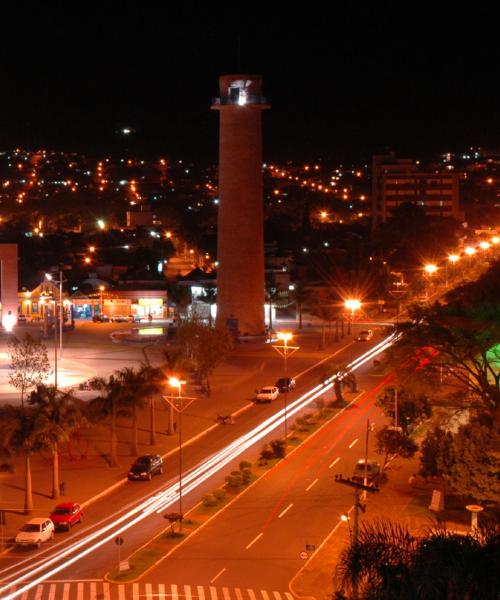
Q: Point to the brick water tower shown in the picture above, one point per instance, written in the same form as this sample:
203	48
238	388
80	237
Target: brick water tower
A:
240	251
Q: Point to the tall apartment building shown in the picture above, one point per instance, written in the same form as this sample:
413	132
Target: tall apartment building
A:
396	181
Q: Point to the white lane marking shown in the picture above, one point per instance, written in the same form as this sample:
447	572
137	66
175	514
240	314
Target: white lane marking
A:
289	596
311	484
52	591
334	462
226	594
254	540
218	575
39	591
121	592
187	592
149	590
201	592
251	595
173	592
354	442
135	591
277	595
213	593
285	511
79	591
265	595
93	590
161	592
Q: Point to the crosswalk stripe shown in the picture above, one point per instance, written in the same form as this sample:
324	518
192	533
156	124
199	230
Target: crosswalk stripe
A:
65	595
277	595
79	592
265	595
149	591
38	593
251	595
213	593
52	591
226	594
187	592
201	592
135	591
173	589
25	595
161	591
93	591
105	591
121	592
289	596
239	595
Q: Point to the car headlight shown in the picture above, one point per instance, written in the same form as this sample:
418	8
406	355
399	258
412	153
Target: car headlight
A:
143	473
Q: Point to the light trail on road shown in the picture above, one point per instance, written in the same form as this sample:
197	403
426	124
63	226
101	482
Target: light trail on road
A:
45	568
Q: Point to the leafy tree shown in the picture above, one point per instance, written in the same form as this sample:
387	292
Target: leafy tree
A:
19	431
394	442
29	364
459	341
57	417
386	562
436	444
132	397
411	407
153	384
470	463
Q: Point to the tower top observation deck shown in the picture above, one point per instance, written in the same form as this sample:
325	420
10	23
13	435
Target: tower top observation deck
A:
240	90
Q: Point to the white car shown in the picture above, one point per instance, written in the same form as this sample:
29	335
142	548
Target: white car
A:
266	394
365	336
34	532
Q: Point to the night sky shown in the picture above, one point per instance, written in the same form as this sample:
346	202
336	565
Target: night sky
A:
343	83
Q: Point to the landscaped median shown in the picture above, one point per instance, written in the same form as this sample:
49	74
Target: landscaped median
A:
237	482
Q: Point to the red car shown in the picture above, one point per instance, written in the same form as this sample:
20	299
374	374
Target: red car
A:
65	515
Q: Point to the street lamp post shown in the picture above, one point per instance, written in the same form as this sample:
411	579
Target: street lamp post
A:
285	351
101	306
179	403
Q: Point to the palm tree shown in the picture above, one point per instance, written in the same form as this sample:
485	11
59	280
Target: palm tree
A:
324	310
302	297
19	434
107	406
153	384
387	562
57	417
132	397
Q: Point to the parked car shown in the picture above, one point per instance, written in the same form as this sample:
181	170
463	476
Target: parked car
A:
365	335
120	319
266	394
100	319
21	318
146	466
285	384
66	515
372	471
34	532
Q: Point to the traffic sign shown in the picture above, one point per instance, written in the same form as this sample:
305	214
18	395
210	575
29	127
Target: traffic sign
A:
119	541
304	555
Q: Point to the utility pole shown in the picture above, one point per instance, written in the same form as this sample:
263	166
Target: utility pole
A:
358	487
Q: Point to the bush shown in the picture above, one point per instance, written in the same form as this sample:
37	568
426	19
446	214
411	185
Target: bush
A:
234	480
209	500
219	494
278	448
245	464
266	453
320	403
246	476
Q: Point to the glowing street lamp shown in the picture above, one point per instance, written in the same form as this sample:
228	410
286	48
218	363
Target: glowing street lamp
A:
285	351
353	305
470	251
430	269
484	245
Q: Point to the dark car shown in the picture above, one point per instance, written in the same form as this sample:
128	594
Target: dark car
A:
146	466
100	319
66	514
285	384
